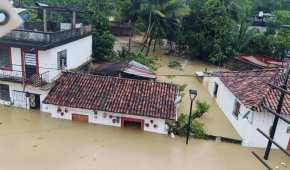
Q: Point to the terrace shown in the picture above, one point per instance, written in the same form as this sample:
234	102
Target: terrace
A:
36	80
28	38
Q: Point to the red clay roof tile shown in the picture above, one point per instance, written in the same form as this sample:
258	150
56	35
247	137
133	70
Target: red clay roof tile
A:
112	94
252	89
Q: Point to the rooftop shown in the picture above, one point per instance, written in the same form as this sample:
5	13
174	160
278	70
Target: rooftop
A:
252	89
130	68
32	37
112	94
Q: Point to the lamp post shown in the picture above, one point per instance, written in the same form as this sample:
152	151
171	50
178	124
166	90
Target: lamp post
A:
192	95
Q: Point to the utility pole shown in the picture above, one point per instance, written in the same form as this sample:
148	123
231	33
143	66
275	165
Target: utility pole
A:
278	111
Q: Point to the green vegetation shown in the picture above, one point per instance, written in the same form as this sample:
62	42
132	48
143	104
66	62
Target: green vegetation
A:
197	129
212	30
125	55
171	77
182	88
174	64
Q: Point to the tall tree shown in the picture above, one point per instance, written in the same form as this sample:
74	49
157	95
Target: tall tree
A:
208	31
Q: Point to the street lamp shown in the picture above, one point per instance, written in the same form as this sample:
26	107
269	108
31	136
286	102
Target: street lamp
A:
192	95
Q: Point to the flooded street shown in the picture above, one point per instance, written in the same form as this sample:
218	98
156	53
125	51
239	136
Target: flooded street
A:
34	141
215	121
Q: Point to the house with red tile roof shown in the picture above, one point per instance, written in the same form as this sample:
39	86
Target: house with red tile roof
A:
243	95
247	62
113	101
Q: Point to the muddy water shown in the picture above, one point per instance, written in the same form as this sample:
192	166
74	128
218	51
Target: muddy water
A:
215	121
34	141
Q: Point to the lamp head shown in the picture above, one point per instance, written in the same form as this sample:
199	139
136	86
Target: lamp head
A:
192	94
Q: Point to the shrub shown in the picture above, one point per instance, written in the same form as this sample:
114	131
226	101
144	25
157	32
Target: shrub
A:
174	64
125	55
182	87
196	129
171	77
201	109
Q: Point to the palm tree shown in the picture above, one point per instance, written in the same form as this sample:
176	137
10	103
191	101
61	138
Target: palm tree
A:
131	13
162	18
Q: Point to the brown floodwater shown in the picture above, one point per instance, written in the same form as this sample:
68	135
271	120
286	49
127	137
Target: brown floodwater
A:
31	140
215	121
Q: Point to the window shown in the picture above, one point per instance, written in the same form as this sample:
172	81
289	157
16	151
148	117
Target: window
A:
216	88
62	59
5	59
4	92
237	109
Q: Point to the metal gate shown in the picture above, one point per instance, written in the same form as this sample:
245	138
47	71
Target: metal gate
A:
19	99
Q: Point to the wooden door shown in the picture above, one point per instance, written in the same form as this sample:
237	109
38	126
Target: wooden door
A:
80	118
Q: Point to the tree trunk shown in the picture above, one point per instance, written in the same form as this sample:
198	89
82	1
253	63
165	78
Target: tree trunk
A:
130	36
154	47
149	46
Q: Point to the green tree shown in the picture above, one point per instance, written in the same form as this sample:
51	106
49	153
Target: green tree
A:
208	32
162	20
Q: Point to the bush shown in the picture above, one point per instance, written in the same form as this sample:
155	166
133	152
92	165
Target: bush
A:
174	64
125	55
196	128
182	87
201	109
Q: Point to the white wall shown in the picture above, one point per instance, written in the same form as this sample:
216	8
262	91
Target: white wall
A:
100	119
78	52
246	127
16	64
18	87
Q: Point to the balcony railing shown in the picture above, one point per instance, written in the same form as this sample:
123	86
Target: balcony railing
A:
36	80
46	37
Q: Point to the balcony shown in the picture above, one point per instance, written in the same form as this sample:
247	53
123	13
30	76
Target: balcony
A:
36	80
23	38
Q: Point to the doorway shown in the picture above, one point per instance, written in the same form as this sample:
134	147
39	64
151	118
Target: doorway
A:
132	123
80	118
30	63
34	101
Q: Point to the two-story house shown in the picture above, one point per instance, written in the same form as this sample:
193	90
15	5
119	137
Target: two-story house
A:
33	56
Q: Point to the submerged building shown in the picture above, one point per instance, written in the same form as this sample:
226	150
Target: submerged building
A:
113	101
33	56
243	96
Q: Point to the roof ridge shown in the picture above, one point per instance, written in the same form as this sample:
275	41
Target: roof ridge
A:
120	78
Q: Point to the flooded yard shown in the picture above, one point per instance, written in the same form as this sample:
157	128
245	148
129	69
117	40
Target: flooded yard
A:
215	121
34	141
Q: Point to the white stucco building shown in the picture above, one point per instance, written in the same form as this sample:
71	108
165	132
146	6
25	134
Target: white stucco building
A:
113	101
31	60
241	96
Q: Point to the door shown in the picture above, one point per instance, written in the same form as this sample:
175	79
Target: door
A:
289	145
80	118
132	123
19	99
30	64
34	101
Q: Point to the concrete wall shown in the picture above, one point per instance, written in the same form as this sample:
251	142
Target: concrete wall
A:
78	52
16	64
17	89
106	118
246	126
